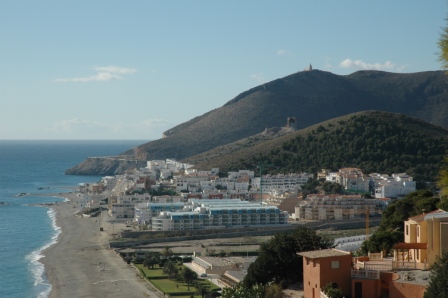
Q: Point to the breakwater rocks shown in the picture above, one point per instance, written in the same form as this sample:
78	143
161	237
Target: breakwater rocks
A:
106	165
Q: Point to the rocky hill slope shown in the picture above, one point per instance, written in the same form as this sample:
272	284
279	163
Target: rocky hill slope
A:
374	141
309	96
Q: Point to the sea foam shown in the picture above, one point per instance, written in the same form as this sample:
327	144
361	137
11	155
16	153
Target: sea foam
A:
36	267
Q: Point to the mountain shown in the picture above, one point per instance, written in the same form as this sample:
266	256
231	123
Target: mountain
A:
309	96
374	141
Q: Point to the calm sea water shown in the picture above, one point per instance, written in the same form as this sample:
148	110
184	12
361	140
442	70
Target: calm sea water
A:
25	167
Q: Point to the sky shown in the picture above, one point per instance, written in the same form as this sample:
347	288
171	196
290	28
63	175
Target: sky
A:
106	69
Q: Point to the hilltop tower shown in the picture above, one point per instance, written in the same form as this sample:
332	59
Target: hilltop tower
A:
291	122
309	68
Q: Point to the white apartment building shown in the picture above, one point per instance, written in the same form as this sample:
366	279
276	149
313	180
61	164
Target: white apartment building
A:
352	179
121	211
144	212
329	207
213	214
109	182
399	184
241	174
189	183
280	182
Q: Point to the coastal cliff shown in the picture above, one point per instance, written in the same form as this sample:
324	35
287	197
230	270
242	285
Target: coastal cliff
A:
105	166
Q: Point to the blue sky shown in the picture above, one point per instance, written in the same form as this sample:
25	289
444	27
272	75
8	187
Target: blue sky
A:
133	69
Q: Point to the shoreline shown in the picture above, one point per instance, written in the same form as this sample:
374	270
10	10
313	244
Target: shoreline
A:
79	263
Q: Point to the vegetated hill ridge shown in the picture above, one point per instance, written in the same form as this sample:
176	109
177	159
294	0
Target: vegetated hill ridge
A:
311	97
374	141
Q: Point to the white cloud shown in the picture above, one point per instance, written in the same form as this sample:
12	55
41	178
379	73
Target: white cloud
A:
258	77
103	73
361	65
281	52
115	69
154	122
74	124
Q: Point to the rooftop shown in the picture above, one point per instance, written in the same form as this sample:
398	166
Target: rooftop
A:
323	253
422	216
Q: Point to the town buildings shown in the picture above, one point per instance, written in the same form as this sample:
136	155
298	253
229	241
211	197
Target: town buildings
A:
225	213
381	185
351	179
281	182
336	207
397	185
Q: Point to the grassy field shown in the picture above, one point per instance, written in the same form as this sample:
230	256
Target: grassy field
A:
170	287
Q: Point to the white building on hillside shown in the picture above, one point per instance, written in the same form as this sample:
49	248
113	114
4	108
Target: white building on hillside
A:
352	179
399	184
280	182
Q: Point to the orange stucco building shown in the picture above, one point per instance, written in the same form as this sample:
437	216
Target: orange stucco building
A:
321	267
406	275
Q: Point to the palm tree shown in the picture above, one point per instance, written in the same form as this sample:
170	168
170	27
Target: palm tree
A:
170	269
151	259
201	289
167	252
189	276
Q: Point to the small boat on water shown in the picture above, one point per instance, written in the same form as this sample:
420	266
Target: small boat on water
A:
22	194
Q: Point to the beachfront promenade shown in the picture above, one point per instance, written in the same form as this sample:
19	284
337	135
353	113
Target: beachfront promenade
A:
81	264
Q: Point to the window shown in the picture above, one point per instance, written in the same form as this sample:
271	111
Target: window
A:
407	230
418	231
335	264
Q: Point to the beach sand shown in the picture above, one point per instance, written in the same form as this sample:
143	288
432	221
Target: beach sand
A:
80	264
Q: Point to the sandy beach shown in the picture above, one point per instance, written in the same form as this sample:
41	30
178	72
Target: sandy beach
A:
80	264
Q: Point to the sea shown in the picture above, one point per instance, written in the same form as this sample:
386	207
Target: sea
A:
29	168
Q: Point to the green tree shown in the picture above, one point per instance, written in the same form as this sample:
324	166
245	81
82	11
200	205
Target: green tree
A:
381	241
278	261
438	284
274	291
167	252
332	187
241	291
201	289
412	204
189	276
331	291
170	268
151	259
442	183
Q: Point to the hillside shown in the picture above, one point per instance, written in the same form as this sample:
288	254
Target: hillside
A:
374	141
311	97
